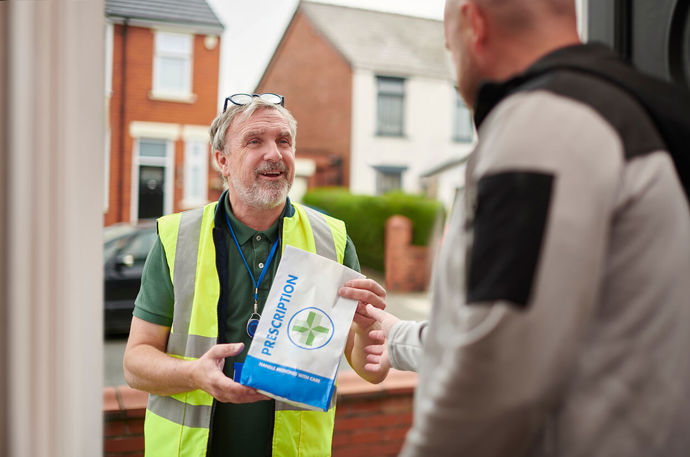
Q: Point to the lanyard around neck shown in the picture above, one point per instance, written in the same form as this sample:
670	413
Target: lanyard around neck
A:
263	271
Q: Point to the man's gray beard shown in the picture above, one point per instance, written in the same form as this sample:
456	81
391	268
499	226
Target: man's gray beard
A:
266	196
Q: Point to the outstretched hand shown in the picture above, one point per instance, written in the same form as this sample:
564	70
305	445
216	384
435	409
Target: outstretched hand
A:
208	375
377	353
386	322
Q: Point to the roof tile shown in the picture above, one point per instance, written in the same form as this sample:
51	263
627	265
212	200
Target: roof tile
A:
383	42
188	12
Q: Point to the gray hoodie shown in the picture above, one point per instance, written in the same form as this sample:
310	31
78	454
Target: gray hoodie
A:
560	323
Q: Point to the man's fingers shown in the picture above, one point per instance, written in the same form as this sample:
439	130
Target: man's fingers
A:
365	291
373	367
249	396
375	313
361	312
374	349
372	358
362	295
244	394
229	391
225	350
367	284
377	335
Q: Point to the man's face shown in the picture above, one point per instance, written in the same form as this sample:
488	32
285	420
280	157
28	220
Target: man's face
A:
457	37
260	159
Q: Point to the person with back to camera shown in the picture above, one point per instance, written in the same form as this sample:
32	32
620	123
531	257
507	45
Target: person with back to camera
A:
560	323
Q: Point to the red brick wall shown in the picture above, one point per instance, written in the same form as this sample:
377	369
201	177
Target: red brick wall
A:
134	93
316	81
123	425
407	267
370	420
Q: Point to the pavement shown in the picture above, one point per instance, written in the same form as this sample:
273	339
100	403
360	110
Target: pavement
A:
407	306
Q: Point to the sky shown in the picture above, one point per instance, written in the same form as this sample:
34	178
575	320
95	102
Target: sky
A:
253	29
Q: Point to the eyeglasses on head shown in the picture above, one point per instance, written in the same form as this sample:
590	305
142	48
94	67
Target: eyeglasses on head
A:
245	99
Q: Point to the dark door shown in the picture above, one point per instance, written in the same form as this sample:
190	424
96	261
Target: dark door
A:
652	34
151	195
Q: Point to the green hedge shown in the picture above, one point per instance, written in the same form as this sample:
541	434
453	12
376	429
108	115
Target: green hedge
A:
366	217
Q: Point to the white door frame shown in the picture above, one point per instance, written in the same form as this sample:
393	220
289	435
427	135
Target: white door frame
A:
170	133
167	162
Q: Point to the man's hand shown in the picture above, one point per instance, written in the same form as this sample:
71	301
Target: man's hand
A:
147	367
386	322
208	375
377	353
365	291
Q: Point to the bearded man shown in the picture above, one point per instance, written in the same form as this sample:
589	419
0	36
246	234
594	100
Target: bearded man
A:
203	289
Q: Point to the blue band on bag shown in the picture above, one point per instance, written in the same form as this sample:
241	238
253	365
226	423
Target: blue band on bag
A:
297	385
237	366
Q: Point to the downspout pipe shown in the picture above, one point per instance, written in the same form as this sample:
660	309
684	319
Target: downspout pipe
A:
123	127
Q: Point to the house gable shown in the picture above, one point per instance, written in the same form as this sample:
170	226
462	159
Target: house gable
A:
316	81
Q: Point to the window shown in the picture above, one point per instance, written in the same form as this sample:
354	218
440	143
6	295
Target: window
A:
391	104
152	148
463	127
388	178
172	66
195	173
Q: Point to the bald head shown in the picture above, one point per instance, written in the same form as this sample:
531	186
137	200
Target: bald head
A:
496	39
521	16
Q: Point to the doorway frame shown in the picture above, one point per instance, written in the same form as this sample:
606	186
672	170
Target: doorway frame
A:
169	133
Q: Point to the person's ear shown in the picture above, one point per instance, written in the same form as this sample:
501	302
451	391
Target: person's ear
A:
223	161
474	22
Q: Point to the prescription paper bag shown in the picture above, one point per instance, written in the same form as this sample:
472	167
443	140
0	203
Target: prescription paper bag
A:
301	335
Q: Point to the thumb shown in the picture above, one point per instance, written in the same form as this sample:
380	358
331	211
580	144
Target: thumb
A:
221	351
375	313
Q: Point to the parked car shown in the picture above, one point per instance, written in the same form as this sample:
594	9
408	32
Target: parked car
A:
125	247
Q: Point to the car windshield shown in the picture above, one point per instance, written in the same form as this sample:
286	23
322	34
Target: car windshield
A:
140	245
119	236
112	232
112	246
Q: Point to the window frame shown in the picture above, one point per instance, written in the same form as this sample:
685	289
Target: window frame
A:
185	91
383	93
383	171
189	200
459	107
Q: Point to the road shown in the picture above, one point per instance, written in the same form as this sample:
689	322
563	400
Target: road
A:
410	306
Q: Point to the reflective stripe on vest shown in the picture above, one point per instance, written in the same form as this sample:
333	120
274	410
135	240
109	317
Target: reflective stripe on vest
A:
178	425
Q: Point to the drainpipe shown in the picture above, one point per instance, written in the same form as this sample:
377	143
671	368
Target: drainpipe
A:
123	127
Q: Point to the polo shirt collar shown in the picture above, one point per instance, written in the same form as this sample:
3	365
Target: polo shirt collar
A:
244	232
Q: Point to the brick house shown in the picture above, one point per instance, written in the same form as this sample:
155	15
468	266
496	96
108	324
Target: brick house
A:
162	66
374	97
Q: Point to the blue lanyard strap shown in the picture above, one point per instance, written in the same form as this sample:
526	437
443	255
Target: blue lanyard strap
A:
263	271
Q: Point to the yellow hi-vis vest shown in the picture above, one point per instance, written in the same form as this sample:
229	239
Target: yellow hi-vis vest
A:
178	425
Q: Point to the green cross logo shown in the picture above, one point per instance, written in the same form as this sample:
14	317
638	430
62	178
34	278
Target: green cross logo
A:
308	330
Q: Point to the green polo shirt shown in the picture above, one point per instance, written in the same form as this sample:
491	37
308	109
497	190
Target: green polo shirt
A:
237	429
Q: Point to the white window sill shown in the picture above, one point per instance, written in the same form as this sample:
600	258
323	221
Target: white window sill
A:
170	97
